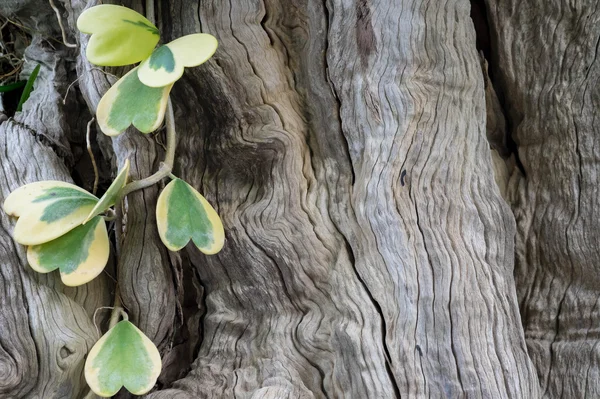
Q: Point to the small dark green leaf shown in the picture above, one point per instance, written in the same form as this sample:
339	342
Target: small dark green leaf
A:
28	88
12	86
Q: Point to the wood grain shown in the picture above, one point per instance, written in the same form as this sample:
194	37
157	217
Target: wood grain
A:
547	69
46	328
338	279
369	252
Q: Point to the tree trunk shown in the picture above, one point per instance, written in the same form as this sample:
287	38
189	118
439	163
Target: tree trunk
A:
552	99
370	240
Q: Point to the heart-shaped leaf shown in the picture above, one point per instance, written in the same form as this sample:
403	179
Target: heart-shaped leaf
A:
183	214
81	254
47	210
110	196
166	63
120	36
129	102
124	356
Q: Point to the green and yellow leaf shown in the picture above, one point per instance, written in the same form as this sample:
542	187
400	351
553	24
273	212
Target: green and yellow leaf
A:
110	196
167	62
183	214
80	255
120	36
47	210
129	102
124	356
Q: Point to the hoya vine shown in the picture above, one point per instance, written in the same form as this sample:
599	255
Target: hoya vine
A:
64	226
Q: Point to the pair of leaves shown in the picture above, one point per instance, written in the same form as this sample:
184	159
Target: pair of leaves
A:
59	223
183	214
124	356
121	36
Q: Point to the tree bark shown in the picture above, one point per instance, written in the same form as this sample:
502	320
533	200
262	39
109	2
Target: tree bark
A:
369	246
551	96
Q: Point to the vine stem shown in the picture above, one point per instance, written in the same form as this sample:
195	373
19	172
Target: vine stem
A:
117	311
165	170
62	28
165	167
89	148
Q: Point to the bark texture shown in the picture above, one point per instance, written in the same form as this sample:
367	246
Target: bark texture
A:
549	85
46	328
369	252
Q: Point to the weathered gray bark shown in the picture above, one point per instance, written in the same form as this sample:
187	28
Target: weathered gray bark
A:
369	252
549	84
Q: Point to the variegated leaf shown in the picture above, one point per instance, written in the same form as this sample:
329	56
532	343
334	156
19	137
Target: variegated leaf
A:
120	36
129	102
124	356
167	62
80	255
47	210
182	214
110	196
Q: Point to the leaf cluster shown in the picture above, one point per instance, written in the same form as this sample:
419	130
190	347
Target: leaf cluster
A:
64	226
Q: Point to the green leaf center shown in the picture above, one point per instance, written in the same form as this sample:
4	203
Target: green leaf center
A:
162	57
63	202
135	103
142	24
123	360
187	217
71	250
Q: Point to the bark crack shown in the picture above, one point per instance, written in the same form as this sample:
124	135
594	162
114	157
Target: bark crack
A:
40	138
388	358
377	306
334	91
